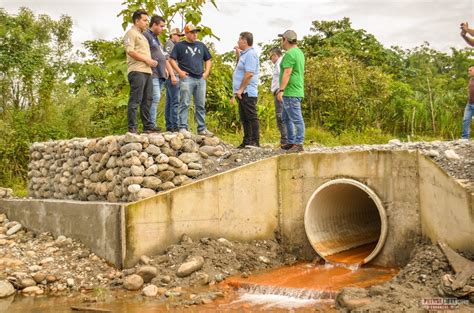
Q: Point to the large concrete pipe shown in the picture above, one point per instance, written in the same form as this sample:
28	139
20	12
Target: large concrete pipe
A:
345	222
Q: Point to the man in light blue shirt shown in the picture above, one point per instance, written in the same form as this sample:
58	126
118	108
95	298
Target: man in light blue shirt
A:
245	89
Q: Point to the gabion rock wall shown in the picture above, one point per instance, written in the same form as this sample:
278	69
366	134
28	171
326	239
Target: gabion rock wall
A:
117	168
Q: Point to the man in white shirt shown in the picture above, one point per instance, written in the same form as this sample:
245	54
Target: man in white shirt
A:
276	57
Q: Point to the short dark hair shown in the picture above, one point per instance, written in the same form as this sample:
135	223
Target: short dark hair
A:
248	37
138	15
155	19
275	50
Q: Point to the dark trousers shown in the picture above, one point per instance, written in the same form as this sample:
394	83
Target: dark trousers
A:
280	124
141	94
249	119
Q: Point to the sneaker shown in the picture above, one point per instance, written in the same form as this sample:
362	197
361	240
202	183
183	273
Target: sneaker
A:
205	132
152	130
133	131
296	148
242	146
286	146
185	132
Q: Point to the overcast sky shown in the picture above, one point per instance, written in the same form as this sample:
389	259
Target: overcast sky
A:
405	23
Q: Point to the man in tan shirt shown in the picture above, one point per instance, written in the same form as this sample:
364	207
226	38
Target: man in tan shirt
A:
139	63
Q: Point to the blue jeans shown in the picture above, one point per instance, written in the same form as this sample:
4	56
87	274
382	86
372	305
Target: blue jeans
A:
172	104
293	119
158	84
466	121
195	87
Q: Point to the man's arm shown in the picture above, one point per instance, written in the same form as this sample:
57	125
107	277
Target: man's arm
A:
174	64
469	40
137	56
207	69
169	68
245	81
284	81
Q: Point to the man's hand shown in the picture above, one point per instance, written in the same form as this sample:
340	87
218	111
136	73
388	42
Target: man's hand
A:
183	74
174	81
464	27
205	75
237	51
151	63
232	101
280	96
239	93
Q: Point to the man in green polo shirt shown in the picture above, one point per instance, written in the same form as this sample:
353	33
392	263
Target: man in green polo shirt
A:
291	91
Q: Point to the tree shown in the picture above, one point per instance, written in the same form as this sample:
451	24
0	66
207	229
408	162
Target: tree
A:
187	10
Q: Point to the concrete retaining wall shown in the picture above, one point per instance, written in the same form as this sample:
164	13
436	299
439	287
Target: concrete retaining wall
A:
95	224
241	204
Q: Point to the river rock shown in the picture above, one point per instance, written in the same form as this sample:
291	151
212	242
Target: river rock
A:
6	289
211	141
134	188
14	229
153	150
131	147
33	290
162	158
147	273
166	175
151	182
190	266
156	139
27	282
133	282
451	155
150	291
189	157
176	143
167	186
174	161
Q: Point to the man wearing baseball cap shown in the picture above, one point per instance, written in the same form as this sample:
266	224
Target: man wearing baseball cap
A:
192	60
291	91
172	85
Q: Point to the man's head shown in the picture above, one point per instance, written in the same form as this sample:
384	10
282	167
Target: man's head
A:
140	19
471	71
275	54
190	31
175	35
245	40
288	39
157	24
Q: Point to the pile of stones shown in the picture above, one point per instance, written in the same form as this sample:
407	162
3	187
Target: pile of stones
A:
118	168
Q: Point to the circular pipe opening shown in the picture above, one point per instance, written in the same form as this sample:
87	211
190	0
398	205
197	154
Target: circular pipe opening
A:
345	222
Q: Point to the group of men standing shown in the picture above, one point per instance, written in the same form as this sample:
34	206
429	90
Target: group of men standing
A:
182	67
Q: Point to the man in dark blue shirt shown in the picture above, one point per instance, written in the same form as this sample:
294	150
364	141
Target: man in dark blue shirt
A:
192	61
161	72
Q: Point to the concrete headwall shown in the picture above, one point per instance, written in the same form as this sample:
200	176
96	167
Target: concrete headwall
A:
241	204
447	209
95	224
391	175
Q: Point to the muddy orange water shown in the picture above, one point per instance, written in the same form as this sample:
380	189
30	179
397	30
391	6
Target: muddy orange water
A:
352	256
304	287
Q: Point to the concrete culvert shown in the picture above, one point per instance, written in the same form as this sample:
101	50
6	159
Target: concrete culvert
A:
345	222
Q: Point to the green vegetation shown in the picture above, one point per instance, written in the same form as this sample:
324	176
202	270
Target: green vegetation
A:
357	90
